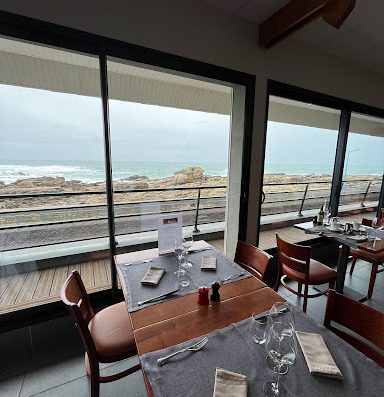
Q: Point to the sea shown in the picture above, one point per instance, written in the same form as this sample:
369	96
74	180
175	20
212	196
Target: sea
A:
93	171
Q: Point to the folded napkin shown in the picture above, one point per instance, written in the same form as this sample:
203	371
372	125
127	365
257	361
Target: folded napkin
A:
317	355
208	263
153	276
229	384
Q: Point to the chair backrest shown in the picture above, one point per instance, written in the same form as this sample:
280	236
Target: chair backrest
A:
74	295
293	256
252	259
359	318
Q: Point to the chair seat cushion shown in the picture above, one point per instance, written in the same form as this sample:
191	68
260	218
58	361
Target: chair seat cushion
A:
318	273
112	333
366	256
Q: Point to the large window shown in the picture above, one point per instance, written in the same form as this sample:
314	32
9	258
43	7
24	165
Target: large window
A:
52	189
364	162
299	159
170	141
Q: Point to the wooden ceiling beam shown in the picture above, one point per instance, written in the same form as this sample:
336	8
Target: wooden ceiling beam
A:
297	13
336	11
288	19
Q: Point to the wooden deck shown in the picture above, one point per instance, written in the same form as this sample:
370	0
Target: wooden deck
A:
21	291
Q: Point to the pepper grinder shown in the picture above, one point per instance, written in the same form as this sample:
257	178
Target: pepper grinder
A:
215	296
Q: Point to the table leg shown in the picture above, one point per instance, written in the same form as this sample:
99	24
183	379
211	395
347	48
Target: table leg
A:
341	271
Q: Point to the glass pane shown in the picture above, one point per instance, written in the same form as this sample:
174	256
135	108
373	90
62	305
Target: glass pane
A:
364	163
299	159
52	189
170	138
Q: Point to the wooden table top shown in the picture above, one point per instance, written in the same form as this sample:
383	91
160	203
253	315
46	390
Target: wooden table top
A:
180	319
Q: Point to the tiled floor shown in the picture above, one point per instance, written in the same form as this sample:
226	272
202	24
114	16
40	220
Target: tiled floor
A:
47	359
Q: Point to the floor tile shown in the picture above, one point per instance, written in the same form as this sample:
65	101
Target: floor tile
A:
132	385
10	383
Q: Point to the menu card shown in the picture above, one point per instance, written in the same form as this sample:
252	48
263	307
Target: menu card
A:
169	230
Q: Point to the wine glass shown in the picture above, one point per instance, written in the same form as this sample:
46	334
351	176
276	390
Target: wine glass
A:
281	346
187	244
280	312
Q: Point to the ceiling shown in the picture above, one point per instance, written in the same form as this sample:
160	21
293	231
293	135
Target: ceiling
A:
360	40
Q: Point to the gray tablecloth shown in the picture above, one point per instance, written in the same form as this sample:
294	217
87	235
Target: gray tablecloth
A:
135	272
340	236
232	348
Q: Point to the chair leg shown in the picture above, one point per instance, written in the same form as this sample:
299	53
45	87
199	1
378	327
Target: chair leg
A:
305	298
95	379
278	281
372	279
299	287
353	266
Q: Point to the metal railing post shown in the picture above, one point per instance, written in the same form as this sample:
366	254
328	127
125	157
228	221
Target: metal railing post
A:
196	230
365	194
302	200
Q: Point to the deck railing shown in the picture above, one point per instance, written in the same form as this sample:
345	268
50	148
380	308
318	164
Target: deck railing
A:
197	207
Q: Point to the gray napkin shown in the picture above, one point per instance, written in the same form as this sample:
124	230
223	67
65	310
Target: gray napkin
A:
208	263
153	276
230	384
317	355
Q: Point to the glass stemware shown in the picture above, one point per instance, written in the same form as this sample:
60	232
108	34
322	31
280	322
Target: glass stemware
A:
187	244
280	312
281	347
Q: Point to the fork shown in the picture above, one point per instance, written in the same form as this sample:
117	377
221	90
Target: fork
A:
232	276
194	348
139	261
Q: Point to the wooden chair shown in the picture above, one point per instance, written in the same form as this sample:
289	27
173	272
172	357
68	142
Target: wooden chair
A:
107	335
375	260
252	259
360	319
294	262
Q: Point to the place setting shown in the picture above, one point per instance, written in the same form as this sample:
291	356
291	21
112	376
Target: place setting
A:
181	267
280	352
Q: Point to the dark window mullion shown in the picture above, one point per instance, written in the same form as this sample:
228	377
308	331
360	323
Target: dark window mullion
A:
337	178
108	167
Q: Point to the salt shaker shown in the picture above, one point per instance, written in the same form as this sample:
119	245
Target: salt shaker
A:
203	296
215	296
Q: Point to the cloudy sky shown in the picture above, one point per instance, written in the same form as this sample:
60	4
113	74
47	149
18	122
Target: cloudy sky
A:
44	125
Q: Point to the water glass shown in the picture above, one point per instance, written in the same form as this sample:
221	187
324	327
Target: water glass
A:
187	244
258	328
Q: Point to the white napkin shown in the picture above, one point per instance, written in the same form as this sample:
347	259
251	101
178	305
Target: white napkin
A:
317	355
229	384
153	276
208	263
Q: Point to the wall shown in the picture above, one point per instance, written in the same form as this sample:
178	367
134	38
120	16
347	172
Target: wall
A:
192	29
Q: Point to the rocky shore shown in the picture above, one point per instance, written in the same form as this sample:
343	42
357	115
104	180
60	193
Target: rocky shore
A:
191	177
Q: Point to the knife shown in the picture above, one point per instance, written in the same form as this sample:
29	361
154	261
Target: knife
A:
265	317
158	297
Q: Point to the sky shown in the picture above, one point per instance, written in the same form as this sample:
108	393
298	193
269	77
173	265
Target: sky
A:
44	125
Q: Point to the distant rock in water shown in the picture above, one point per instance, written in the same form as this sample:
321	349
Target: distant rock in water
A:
188	175
135	177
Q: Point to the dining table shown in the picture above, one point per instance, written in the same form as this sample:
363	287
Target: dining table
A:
179	321
374	247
